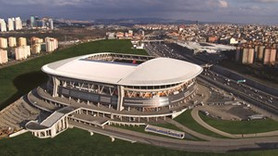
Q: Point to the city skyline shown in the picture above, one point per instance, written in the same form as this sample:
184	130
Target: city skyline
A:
233	11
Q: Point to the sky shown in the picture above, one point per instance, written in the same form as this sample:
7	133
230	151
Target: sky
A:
234	11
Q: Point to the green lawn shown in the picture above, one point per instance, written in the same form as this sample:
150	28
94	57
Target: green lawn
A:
187	120
19	79
79	142
241	127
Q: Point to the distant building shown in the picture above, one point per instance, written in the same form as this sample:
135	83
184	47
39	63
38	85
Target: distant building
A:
130	33
110	35
269	56
19	53
22	41
22	52
51	24
3	56
260	53
273	56
12	41
142	32
120	35
36	45
238	54
245	56
233	41
3	26
250	59
212	39
36	40
36	48
248	55
256	50
11	24
137	44
28	50
32	21
3	43
40	23
51	44
18	23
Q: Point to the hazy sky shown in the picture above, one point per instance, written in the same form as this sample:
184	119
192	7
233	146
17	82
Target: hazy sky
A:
239	11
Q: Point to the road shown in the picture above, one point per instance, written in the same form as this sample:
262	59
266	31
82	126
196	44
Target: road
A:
248	93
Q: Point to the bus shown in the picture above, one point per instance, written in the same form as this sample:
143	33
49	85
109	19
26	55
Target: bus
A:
241	81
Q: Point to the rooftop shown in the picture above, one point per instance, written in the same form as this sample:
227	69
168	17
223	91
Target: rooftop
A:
154	72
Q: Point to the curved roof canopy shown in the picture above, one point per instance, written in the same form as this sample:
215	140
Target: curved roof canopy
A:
155	72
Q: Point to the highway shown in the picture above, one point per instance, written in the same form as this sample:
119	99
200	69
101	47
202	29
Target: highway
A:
248	93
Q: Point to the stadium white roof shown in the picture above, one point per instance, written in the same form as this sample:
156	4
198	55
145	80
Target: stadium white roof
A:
157	71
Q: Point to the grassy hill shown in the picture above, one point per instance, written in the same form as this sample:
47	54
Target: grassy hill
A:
19	79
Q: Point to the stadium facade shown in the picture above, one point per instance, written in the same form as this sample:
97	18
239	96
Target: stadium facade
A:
112	88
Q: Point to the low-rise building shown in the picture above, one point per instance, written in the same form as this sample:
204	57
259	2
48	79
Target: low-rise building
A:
3	56
3	43
120	35
36	45
36	40
212	39
22	52
12	42
22	41
51	44
233	41
36	48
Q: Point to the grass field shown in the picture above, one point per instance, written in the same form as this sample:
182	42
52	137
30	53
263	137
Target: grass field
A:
19	79
187	120
79	142
241	127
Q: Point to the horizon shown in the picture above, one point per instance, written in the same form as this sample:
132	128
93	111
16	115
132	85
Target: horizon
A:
222	11
170	21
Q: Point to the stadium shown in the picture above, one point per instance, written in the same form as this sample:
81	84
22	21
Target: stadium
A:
112	88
